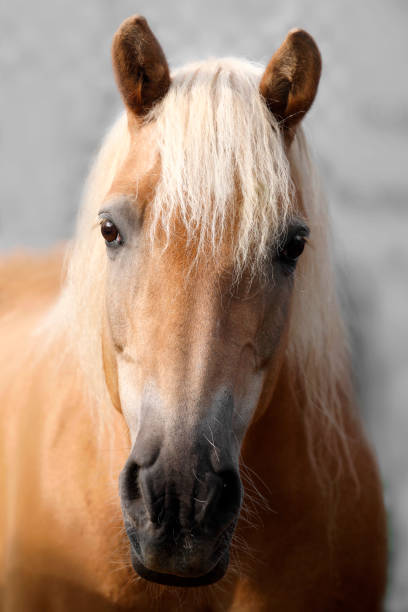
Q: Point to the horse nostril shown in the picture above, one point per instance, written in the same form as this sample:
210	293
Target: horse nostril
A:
221	499
130	481
230	496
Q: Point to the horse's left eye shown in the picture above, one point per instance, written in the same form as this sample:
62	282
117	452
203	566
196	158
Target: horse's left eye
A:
110	232
292	249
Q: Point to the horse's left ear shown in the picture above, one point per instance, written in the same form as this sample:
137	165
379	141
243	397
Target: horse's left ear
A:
291	78
140	66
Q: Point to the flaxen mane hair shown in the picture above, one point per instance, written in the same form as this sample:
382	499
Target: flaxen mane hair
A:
217	139
215	134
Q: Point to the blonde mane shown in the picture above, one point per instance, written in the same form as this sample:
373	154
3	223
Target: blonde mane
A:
214	132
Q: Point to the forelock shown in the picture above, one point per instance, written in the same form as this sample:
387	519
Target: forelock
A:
224	169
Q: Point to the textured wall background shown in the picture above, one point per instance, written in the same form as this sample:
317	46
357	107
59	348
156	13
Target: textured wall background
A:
58	98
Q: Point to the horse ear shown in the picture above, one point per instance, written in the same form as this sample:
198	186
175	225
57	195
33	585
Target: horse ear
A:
140	66
291	78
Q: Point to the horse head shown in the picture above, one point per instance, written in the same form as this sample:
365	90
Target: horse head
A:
203	229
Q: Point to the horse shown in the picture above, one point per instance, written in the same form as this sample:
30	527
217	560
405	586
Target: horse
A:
189	345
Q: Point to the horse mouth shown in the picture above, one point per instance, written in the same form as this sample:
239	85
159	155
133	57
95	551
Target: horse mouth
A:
163	563
174	580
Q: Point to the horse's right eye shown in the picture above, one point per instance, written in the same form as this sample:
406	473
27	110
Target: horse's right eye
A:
293	248
110	232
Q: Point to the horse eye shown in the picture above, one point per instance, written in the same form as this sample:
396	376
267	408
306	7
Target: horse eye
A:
293	248
109	231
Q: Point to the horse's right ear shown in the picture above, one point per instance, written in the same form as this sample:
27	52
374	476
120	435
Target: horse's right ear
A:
291	78
140	66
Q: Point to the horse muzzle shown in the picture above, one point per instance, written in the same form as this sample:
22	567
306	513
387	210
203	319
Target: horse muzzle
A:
180	517
180	563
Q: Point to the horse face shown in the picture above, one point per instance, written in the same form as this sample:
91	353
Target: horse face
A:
191	350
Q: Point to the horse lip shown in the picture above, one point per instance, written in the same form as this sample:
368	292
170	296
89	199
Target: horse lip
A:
217	571
215	574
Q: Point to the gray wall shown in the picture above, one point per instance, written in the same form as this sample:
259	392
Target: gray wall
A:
58	98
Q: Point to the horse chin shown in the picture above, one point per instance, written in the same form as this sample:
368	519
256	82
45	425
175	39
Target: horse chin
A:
174	580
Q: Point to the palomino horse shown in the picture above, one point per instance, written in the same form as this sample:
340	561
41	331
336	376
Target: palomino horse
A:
193	347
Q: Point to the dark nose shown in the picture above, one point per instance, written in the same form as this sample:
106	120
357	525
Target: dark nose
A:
180	510
188	498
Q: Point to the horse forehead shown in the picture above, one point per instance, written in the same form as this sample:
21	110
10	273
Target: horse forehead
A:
173	278
140	170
